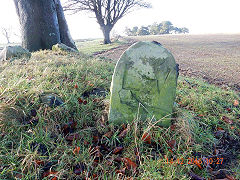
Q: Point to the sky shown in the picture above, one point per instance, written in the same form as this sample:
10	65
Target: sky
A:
199	16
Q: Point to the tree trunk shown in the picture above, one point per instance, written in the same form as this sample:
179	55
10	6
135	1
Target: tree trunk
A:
106	33
42	24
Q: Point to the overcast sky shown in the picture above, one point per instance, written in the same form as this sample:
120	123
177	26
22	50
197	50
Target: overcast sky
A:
200	16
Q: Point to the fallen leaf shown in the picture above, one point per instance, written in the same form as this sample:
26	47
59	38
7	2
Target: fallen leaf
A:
85	142
39	162
227	120
71	137
229	109
80	101
172	144
76	150
117	150
84	102
123	133
130	165
18	176
47	173
108	134
173	127
54	178
146	138
170	150
121	171
76	86
236	103
220	129
95	139
95	176
95	151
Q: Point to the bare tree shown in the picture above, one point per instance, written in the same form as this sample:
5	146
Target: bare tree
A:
107	12
43	24
7	32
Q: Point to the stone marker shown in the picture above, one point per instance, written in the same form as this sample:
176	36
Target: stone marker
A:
145	76
10	52
63	47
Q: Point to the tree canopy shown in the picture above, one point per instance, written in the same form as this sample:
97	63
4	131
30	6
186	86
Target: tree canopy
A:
165	27
107	12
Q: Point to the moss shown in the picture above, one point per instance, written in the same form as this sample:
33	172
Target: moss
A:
149	82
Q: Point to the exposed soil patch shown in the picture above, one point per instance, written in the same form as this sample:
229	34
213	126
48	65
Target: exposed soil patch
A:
214	58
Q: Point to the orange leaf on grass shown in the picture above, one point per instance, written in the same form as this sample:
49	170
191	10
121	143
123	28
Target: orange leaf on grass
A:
236	103
55	178
229	109
39	162
173	127
120	171
80	101
130	165
76	86
220	129
123	133
117	150
47	173
108	134
146	138
76	150
95	176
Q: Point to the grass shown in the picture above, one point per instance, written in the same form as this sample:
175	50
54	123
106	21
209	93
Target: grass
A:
96	46
75	140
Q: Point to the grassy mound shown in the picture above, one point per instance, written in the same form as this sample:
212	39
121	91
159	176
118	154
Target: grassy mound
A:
74	140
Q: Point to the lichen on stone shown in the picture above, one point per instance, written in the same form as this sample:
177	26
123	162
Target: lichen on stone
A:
145	77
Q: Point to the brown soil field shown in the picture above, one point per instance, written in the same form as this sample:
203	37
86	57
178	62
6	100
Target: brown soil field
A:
214	58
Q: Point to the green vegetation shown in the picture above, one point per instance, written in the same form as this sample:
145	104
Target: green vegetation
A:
96	46
75	140
165	27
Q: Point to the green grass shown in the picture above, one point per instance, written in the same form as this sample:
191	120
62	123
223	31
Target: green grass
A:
198	115
96	46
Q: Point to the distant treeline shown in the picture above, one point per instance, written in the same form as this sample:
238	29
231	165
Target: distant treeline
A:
165	27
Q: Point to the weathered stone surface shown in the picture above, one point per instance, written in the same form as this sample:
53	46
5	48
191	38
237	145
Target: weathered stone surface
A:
63	47
145	79
10	52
